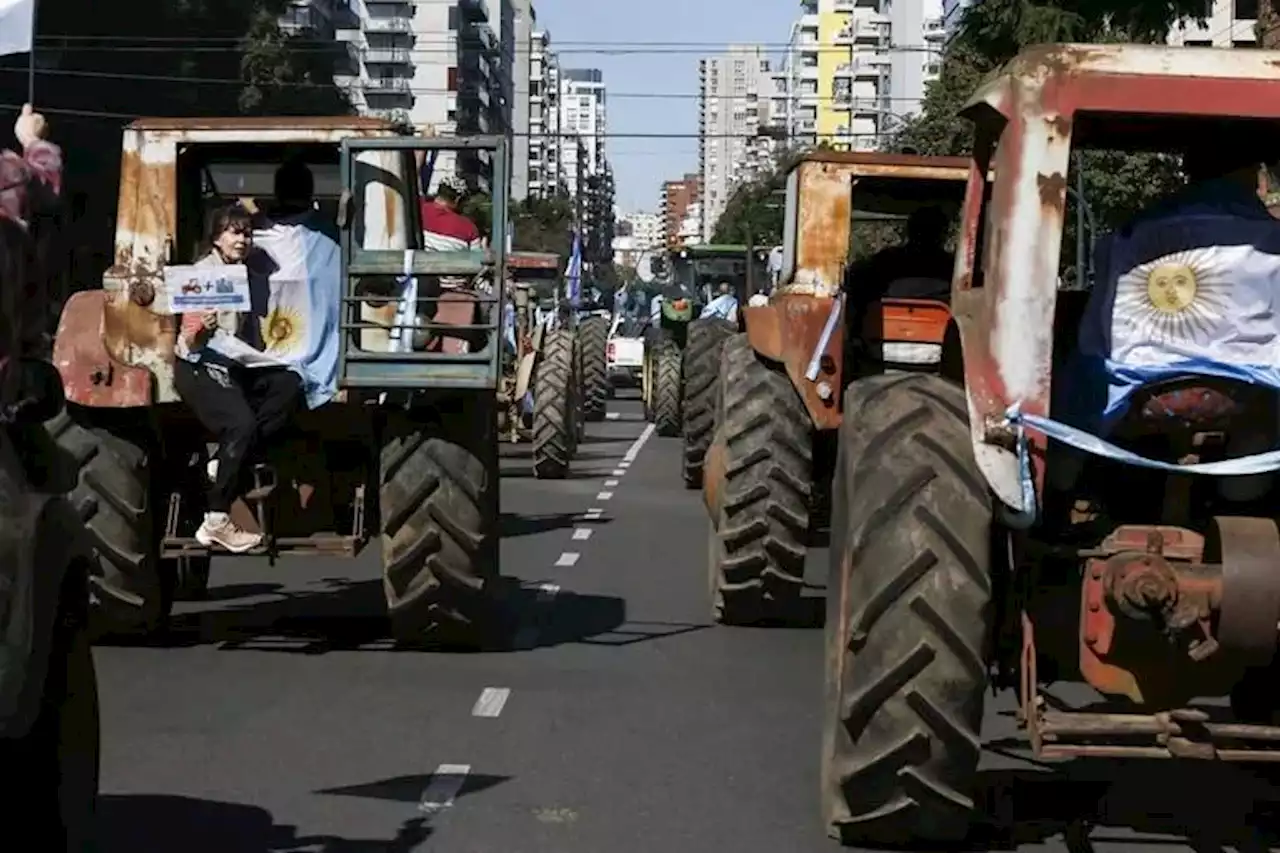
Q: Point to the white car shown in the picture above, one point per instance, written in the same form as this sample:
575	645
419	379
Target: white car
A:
624	352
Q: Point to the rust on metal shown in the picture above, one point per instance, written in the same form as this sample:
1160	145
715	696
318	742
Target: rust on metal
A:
1249	551
518	262
788	330
90	375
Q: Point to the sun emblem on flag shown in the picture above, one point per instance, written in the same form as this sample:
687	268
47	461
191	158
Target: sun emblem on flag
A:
1178	297
283	329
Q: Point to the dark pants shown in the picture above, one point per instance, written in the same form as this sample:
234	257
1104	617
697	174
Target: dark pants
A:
243	408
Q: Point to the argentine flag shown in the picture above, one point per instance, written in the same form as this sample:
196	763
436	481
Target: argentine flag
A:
303	301
1194	291
573	272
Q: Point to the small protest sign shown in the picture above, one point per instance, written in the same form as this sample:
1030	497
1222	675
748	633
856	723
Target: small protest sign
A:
207	288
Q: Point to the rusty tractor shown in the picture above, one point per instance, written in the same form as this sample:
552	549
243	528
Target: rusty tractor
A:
405	453
1081	491
542	385
779	393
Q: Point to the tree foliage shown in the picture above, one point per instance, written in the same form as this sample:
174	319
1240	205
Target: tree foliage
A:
96	71
543	225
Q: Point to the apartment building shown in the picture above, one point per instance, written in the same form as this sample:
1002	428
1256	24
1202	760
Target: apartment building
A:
678	198
584	115
1228	23
520	58
432	65
794	99
733	110
545	178
861	66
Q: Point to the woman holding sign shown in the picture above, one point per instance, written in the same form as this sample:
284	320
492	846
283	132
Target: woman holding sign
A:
242	406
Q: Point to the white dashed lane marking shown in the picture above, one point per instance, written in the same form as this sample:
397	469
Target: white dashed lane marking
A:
634	450
609	484
604	496
582	534
491	702
592	514
444	786
613	416
568	558
617	472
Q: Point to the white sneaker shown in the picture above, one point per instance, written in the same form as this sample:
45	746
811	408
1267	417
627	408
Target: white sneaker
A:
218	529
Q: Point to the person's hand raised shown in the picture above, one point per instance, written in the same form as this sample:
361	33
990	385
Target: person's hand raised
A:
30	127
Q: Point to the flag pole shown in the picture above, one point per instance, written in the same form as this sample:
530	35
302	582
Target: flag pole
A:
31	57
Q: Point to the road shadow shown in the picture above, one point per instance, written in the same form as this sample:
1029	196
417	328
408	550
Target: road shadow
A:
410	789
1088	802
523	473
232	591
512	524
160	824
568	618
347	616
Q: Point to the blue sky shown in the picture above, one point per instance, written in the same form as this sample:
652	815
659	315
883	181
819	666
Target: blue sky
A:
641	165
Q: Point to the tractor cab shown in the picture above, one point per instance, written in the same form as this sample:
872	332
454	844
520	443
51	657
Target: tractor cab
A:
700	270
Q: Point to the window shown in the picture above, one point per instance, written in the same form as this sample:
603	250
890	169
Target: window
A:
453	79
1246	10
453	19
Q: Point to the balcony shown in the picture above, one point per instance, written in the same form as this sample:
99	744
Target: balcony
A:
388	85
935	29
298	19
389	55
388	25
395	116
866	106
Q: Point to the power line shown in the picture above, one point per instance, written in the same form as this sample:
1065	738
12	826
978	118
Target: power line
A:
423	90
584	136
727	48
447	49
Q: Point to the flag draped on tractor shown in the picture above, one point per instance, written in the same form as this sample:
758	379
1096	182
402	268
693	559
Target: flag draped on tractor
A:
1193	292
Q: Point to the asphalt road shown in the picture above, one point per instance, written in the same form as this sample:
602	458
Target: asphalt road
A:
620	720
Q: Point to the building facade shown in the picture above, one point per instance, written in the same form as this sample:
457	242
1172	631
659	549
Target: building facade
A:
436	66
1228	23
583	114
874	58
733	110
525	24
678	197
545	176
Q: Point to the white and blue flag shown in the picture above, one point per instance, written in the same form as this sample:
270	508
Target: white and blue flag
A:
724	306
573	272
304	298
1195	291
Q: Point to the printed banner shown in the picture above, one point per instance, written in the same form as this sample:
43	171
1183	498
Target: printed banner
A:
224	287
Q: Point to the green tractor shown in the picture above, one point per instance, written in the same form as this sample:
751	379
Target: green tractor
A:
682	353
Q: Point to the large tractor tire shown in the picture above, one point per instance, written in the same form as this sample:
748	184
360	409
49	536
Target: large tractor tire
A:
554	427
438	510
763	523
701	375
666	388
908	615
113	495
593	340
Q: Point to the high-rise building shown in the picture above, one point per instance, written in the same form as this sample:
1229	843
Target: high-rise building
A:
678	197
545	178
731	115
525	20
874	59
434	65
1228	23
583	113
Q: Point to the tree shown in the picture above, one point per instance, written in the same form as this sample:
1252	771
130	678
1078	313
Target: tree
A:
543	225
992	32
162	58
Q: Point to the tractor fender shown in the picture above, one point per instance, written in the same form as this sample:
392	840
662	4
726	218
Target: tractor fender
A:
529	361
91	376
789	331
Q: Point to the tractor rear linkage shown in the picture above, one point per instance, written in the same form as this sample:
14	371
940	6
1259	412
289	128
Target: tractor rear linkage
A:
1165	614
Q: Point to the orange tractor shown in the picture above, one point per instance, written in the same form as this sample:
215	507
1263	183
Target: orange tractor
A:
1084	489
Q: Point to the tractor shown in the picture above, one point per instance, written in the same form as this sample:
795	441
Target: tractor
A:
1084	490
541	395
695	273
778	400
405	453
592	323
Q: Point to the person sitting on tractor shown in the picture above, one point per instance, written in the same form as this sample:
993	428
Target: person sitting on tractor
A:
724	306
923	257
444	228
242	406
